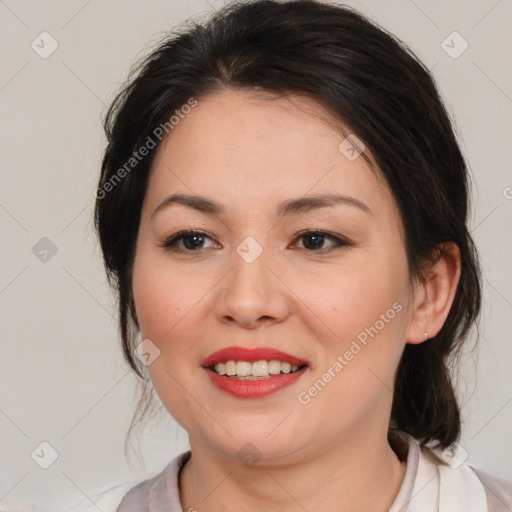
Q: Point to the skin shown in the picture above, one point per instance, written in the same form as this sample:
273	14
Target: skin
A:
249	153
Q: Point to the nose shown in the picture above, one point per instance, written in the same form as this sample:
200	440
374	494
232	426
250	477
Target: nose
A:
252	294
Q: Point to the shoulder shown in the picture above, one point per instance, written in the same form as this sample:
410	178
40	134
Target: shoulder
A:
438	479
158	493
456	475
498	491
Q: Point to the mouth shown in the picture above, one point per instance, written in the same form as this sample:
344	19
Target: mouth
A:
254	372
257	370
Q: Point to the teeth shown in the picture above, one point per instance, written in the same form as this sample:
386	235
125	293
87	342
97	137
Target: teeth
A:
274	367
243	368
257	369
231	368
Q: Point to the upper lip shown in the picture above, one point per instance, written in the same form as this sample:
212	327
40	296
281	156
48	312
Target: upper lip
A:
250	355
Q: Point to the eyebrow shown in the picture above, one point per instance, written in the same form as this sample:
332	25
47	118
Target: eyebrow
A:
288	207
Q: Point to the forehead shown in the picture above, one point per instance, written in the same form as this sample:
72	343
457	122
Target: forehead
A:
251	149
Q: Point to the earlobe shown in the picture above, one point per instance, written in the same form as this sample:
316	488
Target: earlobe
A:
434	295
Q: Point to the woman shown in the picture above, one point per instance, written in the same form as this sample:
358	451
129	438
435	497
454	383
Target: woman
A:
282	211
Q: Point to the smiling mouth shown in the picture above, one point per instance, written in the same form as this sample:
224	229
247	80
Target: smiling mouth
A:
257	370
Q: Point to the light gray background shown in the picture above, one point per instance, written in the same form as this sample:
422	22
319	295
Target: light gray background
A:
63	377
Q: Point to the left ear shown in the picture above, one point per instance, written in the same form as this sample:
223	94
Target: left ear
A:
433	297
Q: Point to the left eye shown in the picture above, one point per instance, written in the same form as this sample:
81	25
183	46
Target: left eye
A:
314	239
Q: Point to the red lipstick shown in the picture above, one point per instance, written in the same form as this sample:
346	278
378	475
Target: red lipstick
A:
252	388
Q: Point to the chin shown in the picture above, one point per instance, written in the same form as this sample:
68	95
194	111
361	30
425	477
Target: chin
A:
253	443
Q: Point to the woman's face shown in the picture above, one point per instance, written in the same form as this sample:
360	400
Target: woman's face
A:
253	279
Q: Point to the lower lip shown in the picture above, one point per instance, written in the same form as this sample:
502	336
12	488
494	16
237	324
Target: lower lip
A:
254	388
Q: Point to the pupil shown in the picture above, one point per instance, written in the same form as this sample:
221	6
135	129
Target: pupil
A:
318	238
195	245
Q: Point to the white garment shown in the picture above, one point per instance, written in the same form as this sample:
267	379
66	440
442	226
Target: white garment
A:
432	485
429	485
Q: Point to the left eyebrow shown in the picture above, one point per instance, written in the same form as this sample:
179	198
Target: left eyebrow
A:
288	207
311	202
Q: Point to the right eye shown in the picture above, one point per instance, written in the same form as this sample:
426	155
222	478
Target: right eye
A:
192	241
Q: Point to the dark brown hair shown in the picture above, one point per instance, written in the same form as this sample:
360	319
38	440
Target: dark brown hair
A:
366	78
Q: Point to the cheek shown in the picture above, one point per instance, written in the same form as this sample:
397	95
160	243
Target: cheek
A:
365	307
351	297
162	296
354	378
172	304
167	304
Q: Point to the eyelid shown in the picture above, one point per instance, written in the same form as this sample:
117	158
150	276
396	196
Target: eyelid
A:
170	241
339	240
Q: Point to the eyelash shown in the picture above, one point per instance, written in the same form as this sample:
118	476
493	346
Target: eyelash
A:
170	243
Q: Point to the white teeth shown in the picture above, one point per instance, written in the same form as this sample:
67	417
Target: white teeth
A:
230	368
259	368
243	368
274	367
256	369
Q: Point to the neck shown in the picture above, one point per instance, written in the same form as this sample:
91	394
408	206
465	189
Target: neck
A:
355	475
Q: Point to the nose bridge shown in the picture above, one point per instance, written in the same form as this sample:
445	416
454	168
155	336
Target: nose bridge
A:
249	274
251	290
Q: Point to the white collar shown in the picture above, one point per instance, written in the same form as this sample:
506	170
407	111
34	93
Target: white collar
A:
430	485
